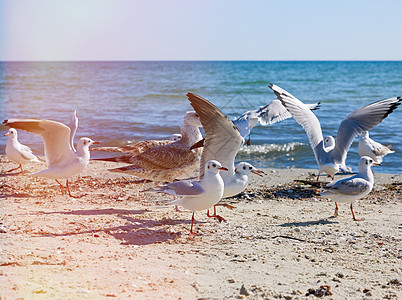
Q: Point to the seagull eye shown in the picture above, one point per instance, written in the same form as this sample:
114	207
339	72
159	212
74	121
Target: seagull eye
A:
214	165
244	167
249	168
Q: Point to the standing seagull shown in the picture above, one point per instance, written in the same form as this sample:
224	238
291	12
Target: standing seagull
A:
62	161
370	148
331	156
352	188
197	194
222	142
269	114
17	152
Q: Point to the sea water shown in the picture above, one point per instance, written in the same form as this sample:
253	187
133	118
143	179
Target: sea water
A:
124	102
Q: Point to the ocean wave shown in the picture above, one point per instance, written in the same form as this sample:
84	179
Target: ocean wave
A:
267	148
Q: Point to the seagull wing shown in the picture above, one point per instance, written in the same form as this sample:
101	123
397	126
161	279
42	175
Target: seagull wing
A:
273	112
73	125
362	119
222	138
348	186
183	188
304	116
55	135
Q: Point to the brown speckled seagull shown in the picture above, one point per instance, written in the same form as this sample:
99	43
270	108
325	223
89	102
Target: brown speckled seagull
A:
168	162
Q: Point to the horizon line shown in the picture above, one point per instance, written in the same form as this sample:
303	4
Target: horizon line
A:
208	60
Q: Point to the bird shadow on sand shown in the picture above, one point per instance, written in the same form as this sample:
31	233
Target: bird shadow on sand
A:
135	231
309	223
6	174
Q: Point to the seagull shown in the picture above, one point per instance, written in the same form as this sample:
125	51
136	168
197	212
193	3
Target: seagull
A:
370	148
197	195
332	156
351	188
168	162
17	152
269	114
131	150
222	142
62	161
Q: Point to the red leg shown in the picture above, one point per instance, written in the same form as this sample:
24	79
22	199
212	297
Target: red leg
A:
220	219
336	210
192	222
61	187
248	142
318	177
353	214
22	171
69	193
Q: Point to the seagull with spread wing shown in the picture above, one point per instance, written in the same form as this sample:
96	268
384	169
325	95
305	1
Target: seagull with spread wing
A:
330	153
269	114
62	161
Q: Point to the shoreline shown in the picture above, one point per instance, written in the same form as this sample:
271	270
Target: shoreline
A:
280	240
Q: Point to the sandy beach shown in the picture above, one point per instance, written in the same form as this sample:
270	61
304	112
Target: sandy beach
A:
280	241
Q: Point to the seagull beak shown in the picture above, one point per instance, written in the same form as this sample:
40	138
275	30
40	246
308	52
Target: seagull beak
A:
376	164
258	172
6	134
95	142
223	169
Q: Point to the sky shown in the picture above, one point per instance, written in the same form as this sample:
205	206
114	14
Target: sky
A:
65	30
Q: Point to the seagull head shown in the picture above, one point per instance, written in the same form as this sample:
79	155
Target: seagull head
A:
191	118
11	133
329	142
245	168
86	142
365	163
214	166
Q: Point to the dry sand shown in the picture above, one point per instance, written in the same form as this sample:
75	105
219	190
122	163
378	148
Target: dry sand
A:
280	241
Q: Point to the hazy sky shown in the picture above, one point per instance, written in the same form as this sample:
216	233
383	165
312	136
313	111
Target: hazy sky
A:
200	30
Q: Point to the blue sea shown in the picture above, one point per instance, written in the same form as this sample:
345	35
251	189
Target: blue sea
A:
124	102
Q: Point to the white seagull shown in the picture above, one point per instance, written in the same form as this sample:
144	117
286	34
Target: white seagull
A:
371	148
197	195
17	152
62	161
222	143
352	188
331	155
269	114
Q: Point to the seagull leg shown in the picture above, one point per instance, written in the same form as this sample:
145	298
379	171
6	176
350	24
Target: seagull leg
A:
336	210
69	193
192	222
61	187
248	142
220	219
353	214
318	176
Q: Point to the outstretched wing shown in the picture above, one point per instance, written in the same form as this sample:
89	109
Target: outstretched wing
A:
55	135
222	138
362	119
304	116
